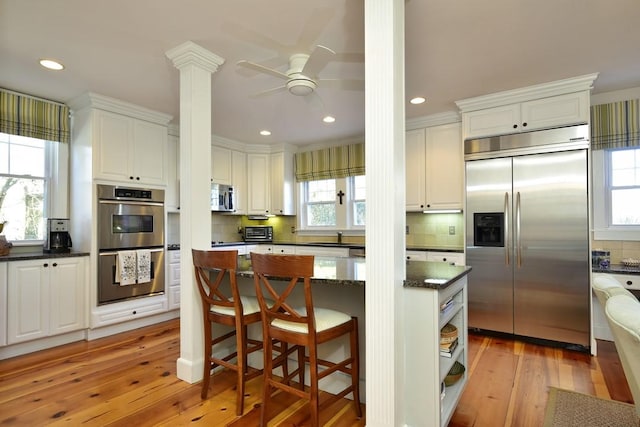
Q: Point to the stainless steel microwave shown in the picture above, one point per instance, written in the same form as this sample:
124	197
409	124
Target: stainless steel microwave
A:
222	198
260	233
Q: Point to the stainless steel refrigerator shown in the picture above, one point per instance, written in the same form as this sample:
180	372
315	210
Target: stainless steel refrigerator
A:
527	234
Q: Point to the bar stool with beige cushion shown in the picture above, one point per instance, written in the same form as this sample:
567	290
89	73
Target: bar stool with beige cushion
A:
623	314
226	307
304	326
605	286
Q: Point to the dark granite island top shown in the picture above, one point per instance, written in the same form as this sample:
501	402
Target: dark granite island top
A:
350	271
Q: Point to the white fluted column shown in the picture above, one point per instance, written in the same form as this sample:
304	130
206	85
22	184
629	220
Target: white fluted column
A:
196	66
385	165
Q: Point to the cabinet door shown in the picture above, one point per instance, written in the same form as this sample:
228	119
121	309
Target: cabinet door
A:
415	170
284	249
149	153
448	257
491	121
416	255
67	294
28	301
562	110
444	167
239	180
172	193
258	178
221	165
282	184
3	302
113	137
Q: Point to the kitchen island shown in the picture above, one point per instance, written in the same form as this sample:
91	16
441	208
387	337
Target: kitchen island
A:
339	283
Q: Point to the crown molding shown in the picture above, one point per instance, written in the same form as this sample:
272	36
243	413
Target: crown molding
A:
189	53
444	118
545	90
101	102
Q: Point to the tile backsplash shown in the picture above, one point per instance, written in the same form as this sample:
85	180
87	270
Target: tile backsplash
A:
620	249
435	230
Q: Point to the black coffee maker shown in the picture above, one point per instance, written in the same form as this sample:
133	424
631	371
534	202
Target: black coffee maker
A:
57	239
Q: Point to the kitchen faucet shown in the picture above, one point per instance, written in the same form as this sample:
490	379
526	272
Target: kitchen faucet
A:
339	237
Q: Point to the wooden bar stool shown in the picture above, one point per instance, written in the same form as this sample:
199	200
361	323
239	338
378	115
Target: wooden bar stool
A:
303	326
235	310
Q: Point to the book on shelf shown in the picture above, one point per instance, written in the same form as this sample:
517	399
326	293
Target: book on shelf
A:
447	349
446	306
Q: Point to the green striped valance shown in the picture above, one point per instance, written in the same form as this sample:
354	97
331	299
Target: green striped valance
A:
615	125
26	116
334	162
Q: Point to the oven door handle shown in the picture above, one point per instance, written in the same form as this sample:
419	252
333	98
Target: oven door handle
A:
116	253
129	202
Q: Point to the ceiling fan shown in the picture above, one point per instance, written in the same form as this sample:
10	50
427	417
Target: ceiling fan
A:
302	75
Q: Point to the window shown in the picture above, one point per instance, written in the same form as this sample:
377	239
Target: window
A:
333	204
23	186
624	186
616	194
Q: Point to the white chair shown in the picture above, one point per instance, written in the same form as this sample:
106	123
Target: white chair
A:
605	286
623	314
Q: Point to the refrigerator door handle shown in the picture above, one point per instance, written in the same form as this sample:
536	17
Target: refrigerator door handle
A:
518	243
507	246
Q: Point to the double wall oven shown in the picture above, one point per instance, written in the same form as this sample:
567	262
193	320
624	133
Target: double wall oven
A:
129	219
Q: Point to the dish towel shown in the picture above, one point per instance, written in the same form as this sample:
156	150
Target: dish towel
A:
126	268
143	257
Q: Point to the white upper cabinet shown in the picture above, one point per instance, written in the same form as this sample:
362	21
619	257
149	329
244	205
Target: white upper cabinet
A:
221	165
239	180
258	181
542	113
129	149
547	105
282	184
434	168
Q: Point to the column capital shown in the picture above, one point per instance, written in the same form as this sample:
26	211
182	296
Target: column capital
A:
189	53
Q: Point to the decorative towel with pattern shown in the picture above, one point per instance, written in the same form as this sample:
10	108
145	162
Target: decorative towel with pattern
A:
126	268
143	265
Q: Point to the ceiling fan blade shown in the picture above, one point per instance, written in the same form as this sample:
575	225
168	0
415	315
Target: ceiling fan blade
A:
317	60
314	101
345	84
263	69
268	92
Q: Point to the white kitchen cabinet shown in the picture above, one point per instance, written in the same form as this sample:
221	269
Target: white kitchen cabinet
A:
172	193
221	165
426	369
263	249
45	297
282	184
434	168
239	181
543	113
173	276
455	258
323	251
3	303
284	249
259	183
129	149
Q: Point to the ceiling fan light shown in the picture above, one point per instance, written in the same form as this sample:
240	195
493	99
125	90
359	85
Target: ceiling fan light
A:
301	87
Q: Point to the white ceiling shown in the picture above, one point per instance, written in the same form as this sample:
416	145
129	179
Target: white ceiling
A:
455	49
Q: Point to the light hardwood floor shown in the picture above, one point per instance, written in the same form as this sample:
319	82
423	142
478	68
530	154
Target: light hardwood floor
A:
130	380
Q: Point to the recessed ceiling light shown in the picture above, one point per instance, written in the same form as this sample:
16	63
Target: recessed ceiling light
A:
51	64
417	100
265	132
329	119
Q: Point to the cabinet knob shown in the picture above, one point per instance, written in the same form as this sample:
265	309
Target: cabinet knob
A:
524	124
130	177
421	206
137	178
515	126
629	282
55	264
46	264
428	206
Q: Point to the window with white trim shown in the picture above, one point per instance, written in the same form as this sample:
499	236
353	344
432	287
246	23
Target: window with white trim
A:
24	186
616	194
333	204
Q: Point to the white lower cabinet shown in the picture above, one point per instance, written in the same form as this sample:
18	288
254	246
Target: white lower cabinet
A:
174	279
455	258
3	303
428	401
416	255
284	249
45	297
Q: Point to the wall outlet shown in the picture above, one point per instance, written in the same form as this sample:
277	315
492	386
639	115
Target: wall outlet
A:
293	229
452	230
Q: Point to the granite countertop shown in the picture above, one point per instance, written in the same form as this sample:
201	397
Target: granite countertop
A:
176	246
350	271
40	255
617	269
